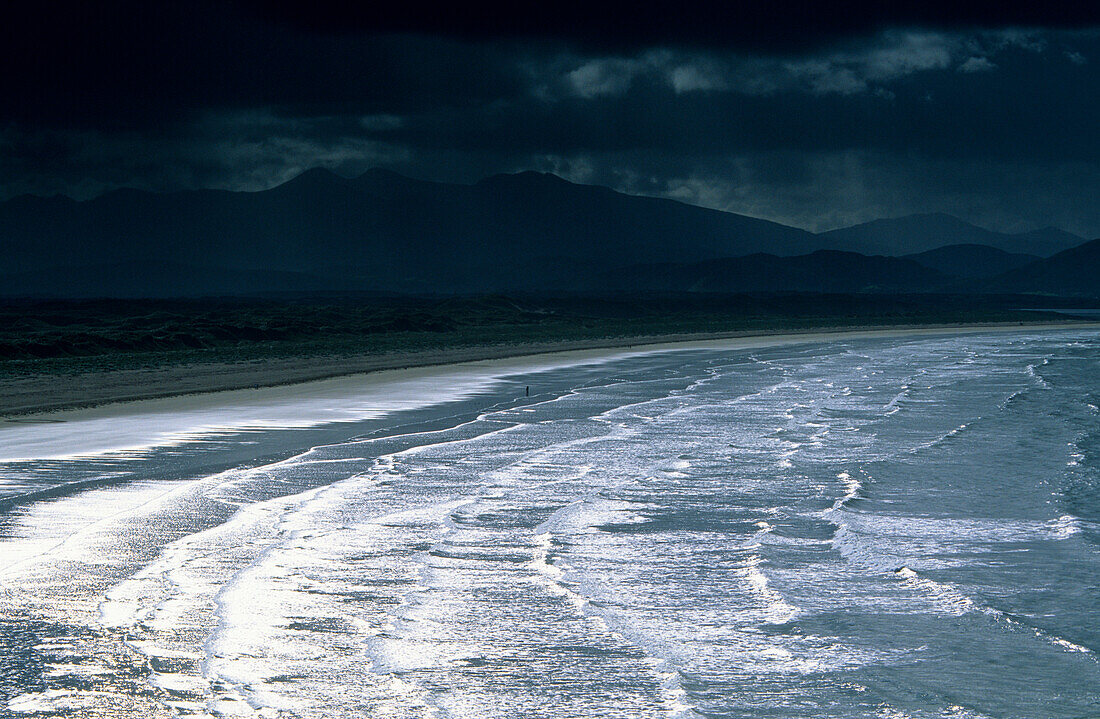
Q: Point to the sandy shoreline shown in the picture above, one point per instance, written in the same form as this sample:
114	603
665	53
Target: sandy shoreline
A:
38	398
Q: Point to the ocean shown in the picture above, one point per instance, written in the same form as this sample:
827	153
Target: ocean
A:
883	527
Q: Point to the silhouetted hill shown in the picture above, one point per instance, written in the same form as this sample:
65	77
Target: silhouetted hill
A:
971	261
380	231
1047	237
821	271
1073	272
383	232
920	233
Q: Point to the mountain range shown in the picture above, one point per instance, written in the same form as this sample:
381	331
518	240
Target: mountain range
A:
383	232
1072	273
921	233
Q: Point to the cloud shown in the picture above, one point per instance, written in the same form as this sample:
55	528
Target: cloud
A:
864	67
822	191
977	64
695	75
765	130
823	76
245	151
374	123
603	76
1026	39
568	75
902	54
892	57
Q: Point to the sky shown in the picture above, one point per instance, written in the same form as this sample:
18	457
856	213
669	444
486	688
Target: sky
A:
817	115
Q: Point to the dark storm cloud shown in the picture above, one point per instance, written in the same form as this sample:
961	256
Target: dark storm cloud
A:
772	26
924	104
810	113
129	63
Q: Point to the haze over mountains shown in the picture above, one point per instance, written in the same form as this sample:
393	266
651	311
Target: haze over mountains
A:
525	232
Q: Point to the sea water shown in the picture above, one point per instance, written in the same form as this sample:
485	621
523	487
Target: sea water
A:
879	527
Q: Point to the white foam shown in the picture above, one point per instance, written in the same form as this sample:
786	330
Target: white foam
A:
278	610
1065	526
50	701
947	598
776	609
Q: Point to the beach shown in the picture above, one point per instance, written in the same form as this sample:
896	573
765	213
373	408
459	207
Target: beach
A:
822	526
24	397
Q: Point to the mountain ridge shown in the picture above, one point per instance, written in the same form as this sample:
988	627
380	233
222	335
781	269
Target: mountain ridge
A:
383	231
912	234
971	261
1073	272
414	230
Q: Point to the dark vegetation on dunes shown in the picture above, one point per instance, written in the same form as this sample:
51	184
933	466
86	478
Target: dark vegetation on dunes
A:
46	336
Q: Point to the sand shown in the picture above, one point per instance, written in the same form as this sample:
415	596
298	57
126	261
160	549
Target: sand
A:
46	398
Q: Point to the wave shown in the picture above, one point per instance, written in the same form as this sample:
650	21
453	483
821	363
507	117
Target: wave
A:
628	546
953	601
869	549
1032	371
